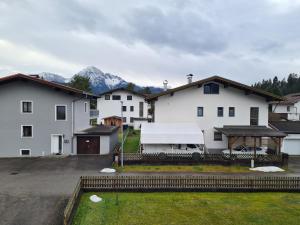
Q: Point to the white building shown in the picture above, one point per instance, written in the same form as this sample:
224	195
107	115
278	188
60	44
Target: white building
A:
216	102
134	105
289	109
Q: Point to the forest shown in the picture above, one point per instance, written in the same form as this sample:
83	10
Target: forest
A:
280	87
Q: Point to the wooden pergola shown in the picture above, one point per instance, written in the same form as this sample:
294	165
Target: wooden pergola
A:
256	133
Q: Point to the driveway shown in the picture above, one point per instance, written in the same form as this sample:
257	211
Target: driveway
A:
35	191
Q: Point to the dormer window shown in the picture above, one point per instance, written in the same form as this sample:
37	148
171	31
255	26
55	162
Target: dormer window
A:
211	88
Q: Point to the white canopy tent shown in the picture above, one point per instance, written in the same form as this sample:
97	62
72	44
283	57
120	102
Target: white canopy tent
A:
171	133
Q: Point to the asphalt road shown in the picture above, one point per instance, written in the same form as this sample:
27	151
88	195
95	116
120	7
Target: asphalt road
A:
35	191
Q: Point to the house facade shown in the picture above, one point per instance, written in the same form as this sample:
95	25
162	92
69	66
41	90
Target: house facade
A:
213	103
39	118
289	108
134	105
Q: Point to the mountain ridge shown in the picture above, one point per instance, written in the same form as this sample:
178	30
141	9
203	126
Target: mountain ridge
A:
99	80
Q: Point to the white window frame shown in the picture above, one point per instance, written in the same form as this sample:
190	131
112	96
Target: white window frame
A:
21	106
20	151
26	126
56	111
86	107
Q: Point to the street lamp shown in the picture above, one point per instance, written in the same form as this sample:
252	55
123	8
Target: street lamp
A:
122	135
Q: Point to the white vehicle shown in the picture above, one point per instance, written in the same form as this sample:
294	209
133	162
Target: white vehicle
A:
246	150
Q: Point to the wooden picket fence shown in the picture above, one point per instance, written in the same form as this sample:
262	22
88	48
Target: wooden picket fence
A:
190	183
162	158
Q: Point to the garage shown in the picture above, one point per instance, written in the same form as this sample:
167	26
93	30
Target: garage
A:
88	145
291	143
97	140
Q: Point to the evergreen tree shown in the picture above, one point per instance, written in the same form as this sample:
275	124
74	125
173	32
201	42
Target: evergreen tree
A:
81	83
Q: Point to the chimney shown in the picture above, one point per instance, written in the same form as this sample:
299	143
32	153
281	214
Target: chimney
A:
165	85
190	78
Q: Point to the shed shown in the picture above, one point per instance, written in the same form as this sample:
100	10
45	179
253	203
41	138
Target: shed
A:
113	121
97	140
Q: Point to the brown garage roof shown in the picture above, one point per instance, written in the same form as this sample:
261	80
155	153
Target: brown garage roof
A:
98	130
34	79
288	127
225	82
250	131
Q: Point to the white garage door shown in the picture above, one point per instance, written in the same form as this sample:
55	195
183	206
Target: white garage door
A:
291	146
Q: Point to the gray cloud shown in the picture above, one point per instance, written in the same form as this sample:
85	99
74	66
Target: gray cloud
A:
242	40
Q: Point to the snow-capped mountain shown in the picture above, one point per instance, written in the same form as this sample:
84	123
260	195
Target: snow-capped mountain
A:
54	77
100	81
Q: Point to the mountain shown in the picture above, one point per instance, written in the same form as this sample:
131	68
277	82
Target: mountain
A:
54	77
100	81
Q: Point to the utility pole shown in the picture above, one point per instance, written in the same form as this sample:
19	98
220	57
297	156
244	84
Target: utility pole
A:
122	135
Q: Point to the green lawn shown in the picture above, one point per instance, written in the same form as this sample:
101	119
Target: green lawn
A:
184	168
169	208
132	141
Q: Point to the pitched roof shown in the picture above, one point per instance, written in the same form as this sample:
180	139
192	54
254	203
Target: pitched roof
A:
250	131
289	127
290	99
49	84
99	129
124	89
226	82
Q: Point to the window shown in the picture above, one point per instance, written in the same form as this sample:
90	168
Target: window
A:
231	112
116	97
217	136
26	131
288	108
129	97
107	97
61	112
254	112
200	112
85	107
141	111
124	108
211	88
131	108
25	152
131	119
124	119
26	106
220	112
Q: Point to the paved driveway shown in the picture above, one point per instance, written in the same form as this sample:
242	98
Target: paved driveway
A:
34	191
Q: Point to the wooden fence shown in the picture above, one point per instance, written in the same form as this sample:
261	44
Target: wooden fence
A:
72	204
189	183
196	158
160	183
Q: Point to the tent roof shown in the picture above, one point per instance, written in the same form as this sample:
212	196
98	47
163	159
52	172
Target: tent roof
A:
171	133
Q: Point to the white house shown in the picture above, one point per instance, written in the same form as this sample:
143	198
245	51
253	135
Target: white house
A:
222	108
289	109
134	105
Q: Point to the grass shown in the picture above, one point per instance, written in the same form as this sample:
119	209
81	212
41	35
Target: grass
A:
169	208
184	168
132	141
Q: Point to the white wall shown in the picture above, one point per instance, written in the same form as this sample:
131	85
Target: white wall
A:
182	107
113	107
104	145
81	117
293	114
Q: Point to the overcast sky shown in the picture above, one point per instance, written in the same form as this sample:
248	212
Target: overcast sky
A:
147	42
